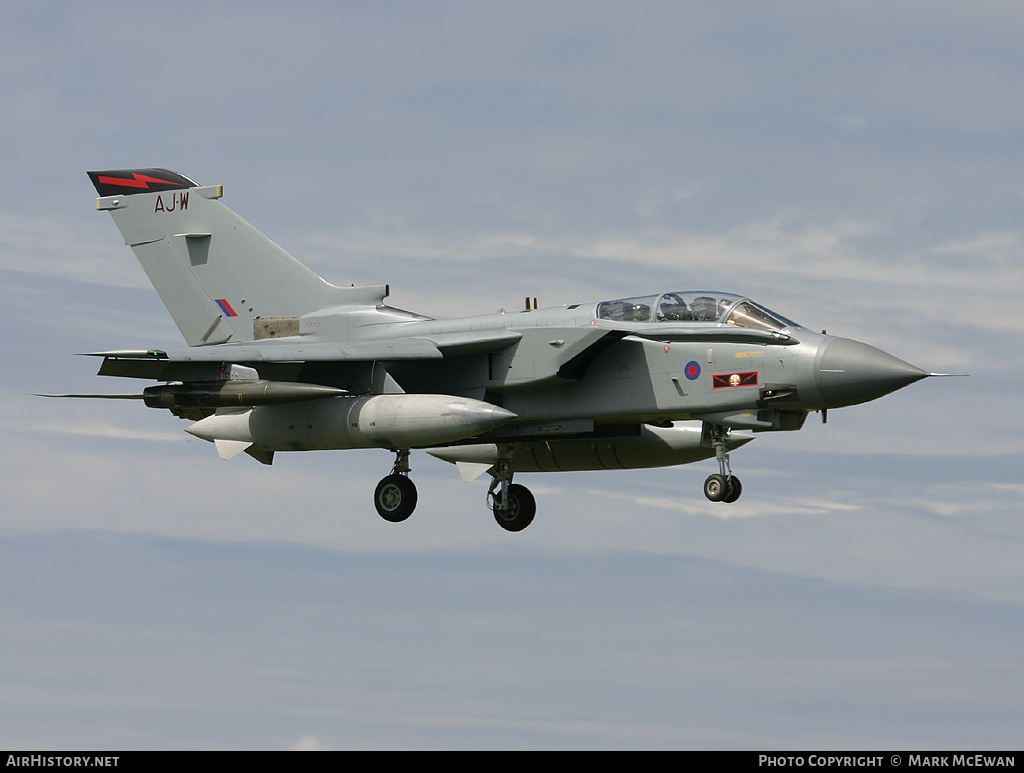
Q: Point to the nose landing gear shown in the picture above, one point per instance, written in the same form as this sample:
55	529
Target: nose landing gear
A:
723	486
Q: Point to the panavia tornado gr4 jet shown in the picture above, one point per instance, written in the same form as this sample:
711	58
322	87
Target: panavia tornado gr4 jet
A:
280	360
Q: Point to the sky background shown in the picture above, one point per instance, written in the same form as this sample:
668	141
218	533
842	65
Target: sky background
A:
855	166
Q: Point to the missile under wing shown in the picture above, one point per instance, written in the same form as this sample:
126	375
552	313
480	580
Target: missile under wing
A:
278	359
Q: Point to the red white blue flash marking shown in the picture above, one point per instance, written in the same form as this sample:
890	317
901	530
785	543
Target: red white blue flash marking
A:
226	308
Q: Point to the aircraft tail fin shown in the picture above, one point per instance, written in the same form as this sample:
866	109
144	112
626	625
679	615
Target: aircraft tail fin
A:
220	278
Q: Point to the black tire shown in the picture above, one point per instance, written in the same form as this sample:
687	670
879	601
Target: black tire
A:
395	498
716	488
521	508
735	489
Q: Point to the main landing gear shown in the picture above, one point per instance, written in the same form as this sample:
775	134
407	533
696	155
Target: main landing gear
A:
723	486
395	497
512	504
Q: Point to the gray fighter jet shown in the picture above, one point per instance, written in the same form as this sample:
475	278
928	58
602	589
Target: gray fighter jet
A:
280	360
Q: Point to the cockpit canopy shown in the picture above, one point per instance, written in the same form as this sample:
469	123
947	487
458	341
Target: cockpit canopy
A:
694	306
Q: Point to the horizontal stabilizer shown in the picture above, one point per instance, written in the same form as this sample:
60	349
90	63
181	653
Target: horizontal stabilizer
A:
150	363
282	350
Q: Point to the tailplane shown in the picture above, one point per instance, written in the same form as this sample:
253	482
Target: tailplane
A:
220	278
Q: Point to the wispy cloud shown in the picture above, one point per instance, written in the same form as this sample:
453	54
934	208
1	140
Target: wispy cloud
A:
693	505
48	246
101	429
34	414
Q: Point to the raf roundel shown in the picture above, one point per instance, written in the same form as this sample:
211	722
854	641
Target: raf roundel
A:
692	370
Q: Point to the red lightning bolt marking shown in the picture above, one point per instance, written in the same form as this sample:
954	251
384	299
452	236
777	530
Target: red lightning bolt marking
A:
137	181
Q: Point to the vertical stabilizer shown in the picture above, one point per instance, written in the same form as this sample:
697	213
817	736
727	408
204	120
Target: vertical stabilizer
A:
214	272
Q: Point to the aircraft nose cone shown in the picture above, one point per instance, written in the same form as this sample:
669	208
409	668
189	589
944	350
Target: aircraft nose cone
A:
850	372
477	414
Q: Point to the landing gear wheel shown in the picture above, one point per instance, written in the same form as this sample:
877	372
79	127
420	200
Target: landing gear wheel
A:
395	498
519	512
716	488
723	487
735	489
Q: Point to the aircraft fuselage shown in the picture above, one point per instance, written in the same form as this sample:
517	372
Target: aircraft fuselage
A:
650	371
278	359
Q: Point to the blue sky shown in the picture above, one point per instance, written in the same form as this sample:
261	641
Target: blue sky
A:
855	166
